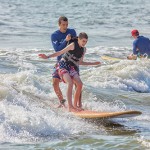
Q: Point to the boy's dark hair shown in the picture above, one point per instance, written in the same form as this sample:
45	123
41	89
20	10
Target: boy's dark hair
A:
83	35
62	18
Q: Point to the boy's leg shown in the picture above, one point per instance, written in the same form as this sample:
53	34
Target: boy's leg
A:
79	104
67	79
77	96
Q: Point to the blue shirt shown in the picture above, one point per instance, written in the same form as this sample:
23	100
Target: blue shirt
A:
141	45
58	40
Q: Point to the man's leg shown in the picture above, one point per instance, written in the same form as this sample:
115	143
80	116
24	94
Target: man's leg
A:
58	92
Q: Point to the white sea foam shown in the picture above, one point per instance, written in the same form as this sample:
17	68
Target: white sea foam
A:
26	91
27	97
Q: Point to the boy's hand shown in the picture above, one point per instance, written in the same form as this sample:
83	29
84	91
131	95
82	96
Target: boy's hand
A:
98	63
43	56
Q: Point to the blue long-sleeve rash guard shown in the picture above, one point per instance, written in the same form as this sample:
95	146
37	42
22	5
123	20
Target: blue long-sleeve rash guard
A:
58	40
141	45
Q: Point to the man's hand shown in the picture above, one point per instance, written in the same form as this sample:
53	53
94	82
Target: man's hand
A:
68	37
43	56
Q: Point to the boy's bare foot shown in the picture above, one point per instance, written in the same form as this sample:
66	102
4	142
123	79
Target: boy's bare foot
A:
79	108
79	104
72	109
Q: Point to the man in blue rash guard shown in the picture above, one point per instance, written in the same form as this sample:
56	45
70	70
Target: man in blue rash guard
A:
60	38
141	46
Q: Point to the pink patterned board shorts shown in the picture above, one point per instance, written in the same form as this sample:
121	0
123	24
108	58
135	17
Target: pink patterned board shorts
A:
55	72
65	67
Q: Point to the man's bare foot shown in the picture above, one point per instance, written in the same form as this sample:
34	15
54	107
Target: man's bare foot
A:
61	105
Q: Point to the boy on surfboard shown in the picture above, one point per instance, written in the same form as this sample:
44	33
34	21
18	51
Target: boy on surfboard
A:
68	68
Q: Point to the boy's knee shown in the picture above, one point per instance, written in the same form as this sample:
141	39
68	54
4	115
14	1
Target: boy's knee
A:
79	85
70	83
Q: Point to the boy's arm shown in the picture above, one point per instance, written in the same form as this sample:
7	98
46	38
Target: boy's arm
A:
89	63
66	49
81	62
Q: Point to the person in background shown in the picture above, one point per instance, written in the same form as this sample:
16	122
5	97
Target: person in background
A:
68	68
60	38
141	46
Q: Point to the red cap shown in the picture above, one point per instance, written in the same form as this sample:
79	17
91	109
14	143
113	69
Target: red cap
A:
135	32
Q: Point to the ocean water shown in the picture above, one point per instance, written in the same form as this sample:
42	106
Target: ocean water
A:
28	119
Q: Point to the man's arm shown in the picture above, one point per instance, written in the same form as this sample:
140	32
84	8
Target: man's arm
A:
59	46
74	34
133	56
56	45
